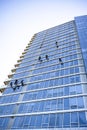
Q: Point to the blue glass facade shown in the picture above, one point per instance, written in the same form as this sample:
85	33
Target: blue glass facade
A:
81	25
49	83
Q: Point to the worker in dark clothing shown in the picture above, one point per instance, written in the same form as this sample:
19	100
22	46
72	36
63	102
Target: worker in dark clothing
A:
56	44
14	88
40	59
41	45
11	84
47	58
60	60
16	82
22	82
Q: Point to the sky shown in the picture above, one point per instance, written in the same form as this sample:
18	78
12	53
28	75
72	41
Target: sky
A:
21	19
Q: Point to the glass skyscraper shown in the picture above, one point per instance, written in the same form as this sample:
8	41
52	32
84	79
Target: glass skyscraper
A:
47	89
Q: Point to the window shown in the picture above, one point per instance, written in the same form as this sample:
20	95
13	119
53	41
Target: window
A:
73	104
41	107
53	104
36	106
56	82
51	83
38	121
77	78
34	95
66	91
19	121
60	91
52	120
27	96
76	69
26	121
66	80
66	120
74	119
47	105
40	94
45	121
80	102
4	122
60	104
61	72
66	103
72	90
49	93
59	120
75	62
31	107
78	89
32	122
55	92
82	119
72	79
60	81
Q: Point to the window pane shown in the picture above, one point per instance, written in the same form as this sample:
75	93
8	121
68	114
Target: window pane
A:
66	103
66	120
45	121
59	120
60	104
66	90
32	121
55	93
26	121
78	89
82	119
80	102
74	119
52	120
72	102
38	121
53	104
72	90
